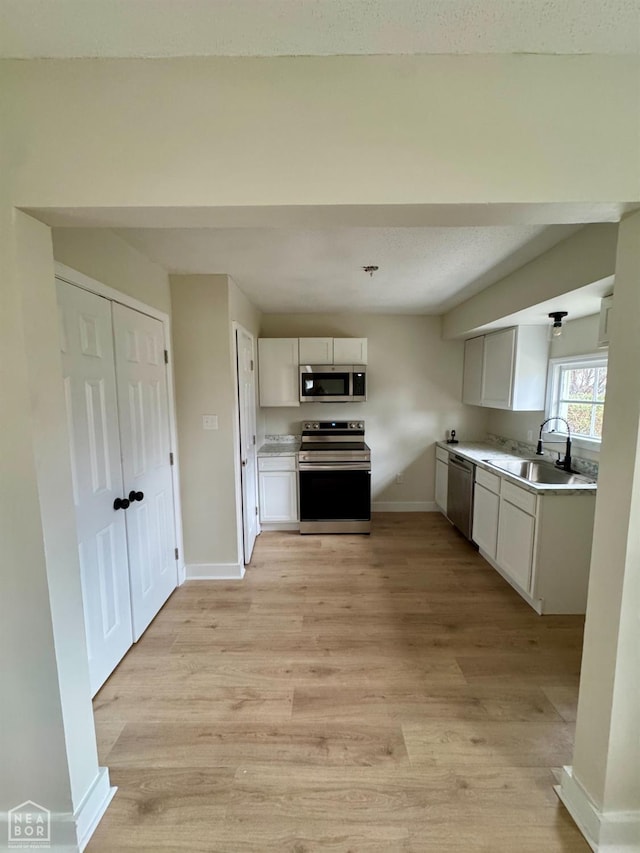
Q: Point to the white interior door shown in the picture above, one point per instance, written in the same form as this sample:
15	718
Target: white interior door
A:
141	380
247	403
86	342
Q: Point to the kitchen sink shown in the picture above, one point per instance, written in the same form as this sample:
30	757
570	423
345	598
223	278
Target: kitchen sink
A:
536	471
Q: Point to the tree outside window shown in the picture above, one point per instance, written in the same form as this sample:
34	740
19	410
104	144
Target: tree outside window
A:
578	394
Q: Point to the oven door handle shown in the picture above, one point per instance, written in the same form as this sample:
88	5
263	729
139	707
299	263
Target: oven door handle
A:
334	466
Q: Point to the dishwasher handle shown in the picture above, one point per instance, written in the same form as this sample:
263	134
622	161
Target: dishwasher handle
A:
460	462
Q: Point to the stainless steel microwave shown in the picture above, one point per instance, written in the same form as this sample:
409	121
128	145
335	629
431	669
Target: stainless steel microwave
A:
333	383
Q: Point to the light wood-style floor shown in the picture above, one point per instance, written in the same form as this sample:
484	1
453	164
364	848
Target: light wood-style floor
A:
385	693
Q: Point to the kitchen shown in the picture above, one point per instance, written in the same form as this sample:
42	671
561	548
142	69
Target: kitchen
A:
414	389
280	385
448	140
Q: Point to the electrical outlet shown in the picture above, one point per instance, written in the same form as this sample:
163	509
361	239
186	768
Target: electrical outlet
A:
209	422
399	478
530	435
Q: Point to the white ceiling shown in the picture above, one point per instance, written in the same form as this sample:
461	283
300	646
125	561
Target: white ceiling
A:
296	270
163	28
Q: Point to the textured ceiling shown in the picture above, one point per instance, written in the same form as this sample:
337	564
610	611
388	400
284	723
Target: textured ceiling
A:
422	270
156	28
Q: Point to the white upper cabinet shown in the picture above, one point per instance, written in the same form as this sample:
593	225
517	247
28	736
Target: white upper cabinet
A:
605	318
278	371
333	350
472	378
507	369
349	350
498	363
316	350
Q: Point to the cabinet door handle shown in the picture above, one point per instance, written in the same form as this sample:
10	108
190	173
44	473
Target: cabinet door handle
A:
121	503
135	496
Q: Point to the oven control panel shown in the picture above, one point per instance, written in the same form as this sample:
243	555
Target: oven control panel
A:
331	426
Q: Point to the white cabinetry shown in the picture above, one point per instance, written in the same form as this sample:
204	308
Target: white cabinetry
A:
605	318
316	350
541	543
516	532
278	371
472	377
497	372
442	478
486	508
507	369
332	350
350	350
278	491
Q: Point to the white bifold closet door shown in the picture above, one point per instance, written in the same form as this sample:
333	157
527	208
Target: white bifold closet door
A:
141	381
117	411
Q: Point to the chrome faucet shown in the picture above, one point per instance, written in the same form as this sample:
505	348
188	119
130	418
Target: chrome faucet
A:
561	463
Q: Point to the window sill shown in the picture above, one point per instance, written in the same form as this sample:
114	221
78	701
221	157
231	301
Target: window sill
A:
561	438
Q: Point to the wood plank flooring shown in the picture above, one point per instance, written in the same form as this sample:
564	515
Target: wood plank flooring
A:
384	693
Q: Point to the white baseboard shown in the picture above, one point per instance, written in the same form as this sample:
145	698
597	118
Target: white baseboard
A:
70	833
93	807
605	832
279	525
214	571
405	506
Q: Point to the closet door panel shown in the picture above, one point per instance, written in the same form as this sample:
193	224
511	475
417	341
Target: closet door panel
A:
144	435
86	343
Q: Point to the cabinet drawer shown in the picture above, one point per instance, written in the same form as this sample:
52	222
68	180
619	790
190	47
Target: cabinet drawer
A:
488	480
277	463
442	455
518	497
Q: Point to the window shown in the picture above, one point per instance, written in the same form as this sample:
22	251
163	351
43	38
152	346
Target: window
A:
576	392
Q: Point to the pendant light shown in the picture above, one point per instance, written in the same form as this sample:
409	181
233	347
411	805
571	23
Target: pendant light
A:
557	317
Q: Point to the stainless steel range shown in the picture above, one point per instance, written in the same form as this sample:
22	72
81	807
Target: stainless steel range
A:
334	470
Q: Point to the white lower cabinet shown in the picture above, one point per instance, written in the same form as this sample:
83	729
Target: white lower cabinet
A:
516	534
442	479
486	506
541	543
278	490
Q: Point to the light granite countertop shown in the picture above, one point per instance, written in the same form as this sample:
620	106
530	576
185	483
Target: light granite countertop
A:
479	451
280	445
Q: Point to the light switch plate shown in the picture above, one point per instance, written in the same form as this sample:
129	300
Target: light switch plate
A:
209	422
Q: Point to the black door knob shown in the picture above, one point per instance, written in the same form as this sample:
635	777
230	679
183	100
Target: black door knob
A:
135	496
120	503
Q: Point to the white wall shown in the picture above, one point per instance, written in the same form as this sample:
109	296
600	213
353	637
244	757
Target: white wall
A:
604	790
242	311
204	385
102	254
47	739
414	396
321	130
579	337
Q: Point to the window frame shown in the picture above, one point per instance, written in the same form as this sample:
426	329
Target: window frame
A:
595	359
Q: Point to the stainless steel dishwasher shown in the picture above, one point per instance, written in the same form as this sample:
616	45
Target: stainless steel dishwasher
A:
460	493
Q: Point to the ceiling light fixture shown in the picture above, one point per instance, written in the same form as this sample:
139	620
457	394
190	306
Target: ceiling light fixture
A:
371	268
557	317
